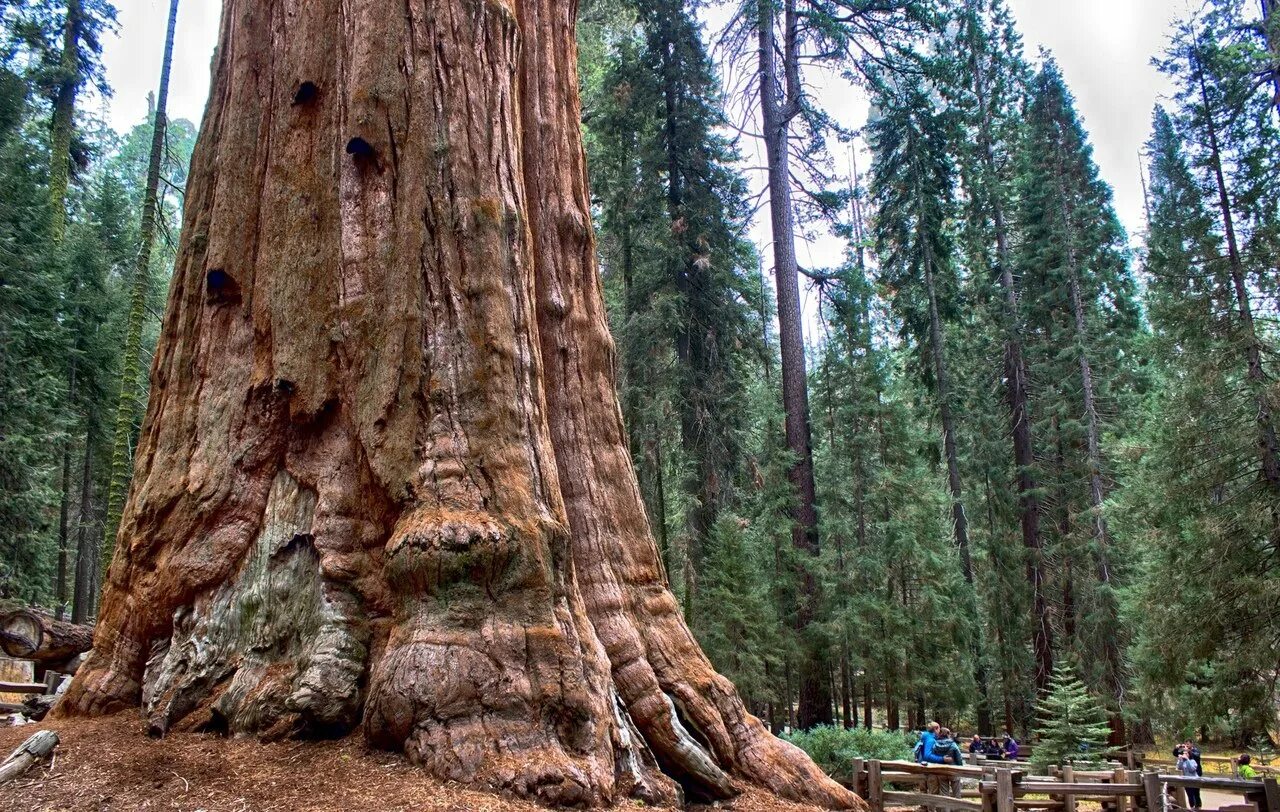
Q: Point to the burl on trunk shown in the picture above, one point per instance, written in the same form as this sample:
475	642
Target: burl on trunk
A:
383	481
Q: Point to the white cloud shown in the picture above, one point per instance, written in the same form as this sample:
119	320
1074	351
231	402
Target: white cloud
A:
1105	48
133	58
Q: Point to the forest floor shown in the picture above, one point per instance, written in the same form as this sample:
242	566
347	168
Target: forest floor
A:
111	764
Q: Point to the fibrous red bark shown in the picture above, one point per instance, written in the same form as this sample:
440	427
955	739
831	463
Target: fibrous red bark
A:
383	481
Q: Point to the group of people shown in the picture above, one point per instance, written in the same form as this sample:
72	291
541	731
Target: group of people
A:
1191	765
995	749
936	746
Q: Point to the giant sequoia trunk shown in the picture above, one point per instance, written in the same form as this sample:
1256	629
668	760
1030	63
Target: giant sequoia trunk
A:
383	480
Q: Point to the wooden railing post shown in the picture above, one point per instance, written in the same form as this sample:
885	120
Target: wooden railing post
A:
1118	805
1068	777
1131	803
1154	791
1271	790
857	778
1004	791
875	788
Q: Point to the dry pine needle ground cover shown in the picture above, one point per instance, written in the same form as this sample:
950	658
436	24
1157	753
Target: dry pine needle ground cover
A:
110	764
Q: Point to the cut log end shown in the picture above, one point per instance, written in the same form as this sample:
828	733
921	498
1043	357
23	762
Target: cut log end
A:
36	636
21	634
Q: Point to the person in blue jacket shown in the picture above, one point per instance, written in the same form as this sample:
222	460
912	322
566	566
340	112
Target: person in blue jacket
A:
924	748
947	748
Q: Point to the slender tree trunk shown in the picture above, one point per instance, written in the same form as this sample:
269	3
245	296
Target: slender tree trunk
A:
62	128
1006	677
893	711
1108	610
1017	391
841	690
64	505
1268	447
1065	553
959	519
85	552
64	116
131	383
660	503
848	696
777	112
867	701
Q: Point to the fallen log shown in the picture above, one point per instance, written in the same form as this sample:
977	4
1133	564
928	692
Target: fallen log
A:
28	635
28	753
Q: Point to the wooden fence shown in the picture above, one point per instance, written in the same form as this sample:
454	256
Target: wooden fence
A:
1005	787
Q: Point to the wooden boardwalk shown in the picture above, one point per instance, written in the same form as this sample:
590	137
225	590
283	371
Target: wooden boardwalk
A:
1005	787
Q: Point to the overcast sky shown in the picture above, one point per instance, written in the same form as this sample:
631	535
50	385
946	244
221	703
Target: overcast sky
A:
1104	47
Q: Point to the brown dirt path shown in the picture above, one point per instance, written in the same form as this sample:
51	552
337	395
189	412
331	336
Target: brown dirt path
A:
111	765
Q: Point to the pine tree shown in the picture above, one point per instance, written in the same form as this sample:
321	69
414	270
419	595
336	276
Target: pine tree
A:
1073	727
31	383
780	38
55	260
1203	495
683	279
1085	314
1196	496
913	182
983	72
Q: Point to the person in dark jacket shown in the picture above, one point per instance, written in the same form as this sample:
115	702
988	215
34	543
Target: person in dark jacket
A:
1192	752
924	752
1010	747
1188	767
947	749
976	745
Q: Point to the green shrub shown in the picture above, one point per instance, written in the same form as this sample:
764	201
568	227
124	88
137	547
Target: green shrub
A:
834	748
